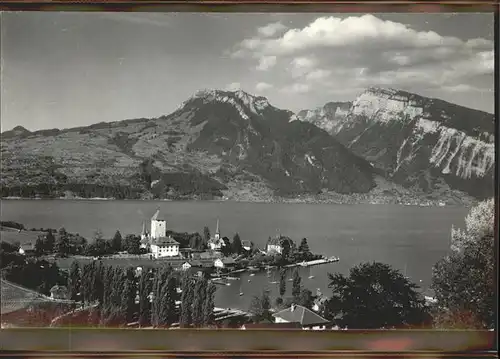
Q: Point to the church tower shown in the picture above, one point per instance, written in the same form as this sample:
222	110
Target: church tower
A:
158	226
144	234
217	232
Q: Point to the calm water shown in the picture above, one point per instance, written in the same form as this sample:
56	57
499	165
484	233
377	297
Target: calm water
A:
411	238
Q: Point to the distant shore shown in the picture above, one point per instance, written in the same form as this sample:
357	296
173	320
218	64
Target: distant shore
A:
346	200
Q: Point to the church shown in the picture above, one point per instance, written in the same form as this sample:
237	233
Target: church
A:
216	242
158	243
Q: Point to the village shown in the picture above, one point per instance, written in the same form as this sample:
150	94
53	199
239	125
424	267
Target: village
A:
215	258
217	263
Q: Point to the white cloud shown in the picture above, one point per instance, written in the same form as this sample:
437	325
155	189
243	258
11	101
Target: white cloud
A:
341	54
300	66
266	62
318	74
297	88
271	29
263	86
234	86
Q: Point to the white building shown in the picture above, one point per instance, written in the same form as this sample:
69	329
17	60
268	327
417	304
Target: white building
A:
277	244
224	262
164	247
157	241
216	242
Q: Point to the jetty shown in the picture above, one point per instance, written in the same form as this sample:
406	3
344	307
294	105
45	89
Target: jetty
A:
227	313
314	262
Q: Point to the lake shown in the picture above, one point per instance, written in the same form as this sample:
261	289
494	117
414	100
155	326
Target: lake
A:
409	238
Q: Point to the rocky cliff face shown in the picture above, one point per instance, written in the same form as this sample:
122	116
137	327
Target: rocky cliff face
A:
215	143
426	144
329	117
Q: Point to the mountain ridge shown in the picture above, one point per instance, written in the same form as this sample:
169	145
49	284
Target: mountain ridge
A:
227	145
215	142
422	143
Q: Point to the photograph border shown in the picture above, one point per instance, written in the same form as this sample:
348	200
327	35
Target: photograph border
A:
261	343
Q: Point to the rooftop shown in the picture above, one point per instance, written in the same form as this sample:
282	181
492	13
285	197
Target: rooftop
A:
165	241
156	216
302	315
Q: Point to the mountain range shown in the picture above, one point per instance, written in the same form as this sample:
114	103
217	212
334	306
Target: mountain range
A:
386	145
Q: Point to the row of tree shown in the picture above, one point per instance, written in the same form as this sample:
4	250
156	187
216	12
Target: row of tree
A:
150	297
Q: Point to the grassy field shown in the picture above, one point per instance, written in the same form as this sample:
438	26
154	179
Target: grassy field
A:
13	235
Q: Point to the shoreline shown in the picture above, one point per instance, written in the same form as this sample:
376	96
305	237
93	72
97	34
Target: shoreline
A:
348	201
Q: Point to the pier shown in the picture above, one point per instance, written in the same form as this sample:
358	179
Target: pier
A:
227	313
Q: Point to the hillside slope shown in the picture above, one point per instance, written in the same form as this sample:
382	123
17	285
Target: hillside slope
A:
216	144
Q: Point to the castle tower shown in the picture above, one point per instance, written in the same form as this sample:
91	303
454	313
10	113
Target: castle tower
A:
217	232
158	226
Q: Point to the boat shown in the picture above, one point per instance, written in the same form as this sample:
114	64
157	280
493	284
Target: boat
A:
311	277
252	274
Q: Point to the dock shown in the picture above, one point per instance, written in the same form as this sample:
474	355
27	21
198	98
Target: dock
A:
227	313
314	262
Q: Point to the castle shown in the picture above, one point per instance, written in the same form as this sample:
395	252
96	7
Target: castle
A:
159	244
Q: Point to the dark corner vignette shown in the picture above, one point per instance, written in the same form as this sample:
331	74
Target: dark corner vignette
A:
319	175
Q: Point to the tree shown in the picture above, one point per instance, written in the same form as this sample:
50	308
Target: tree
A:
62	245
145	287
74	281
282	281
463	282
464	286
479	223
129	295
209	305
49	242
237	246
186	301
260	307
296	283
305	298
304	247
375	296
133	244
39	246
200	292
167	311
99	243
116	242
206	235
226	248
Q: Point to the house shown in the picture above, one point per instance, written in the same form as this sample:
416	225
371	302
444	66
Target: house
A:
27	248
277	244
307	319
224	263
59	292
216	242
247	245
164	247
192	263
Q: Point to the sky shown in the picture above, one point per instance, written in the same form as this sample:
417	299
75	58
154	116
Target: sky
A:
63	69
